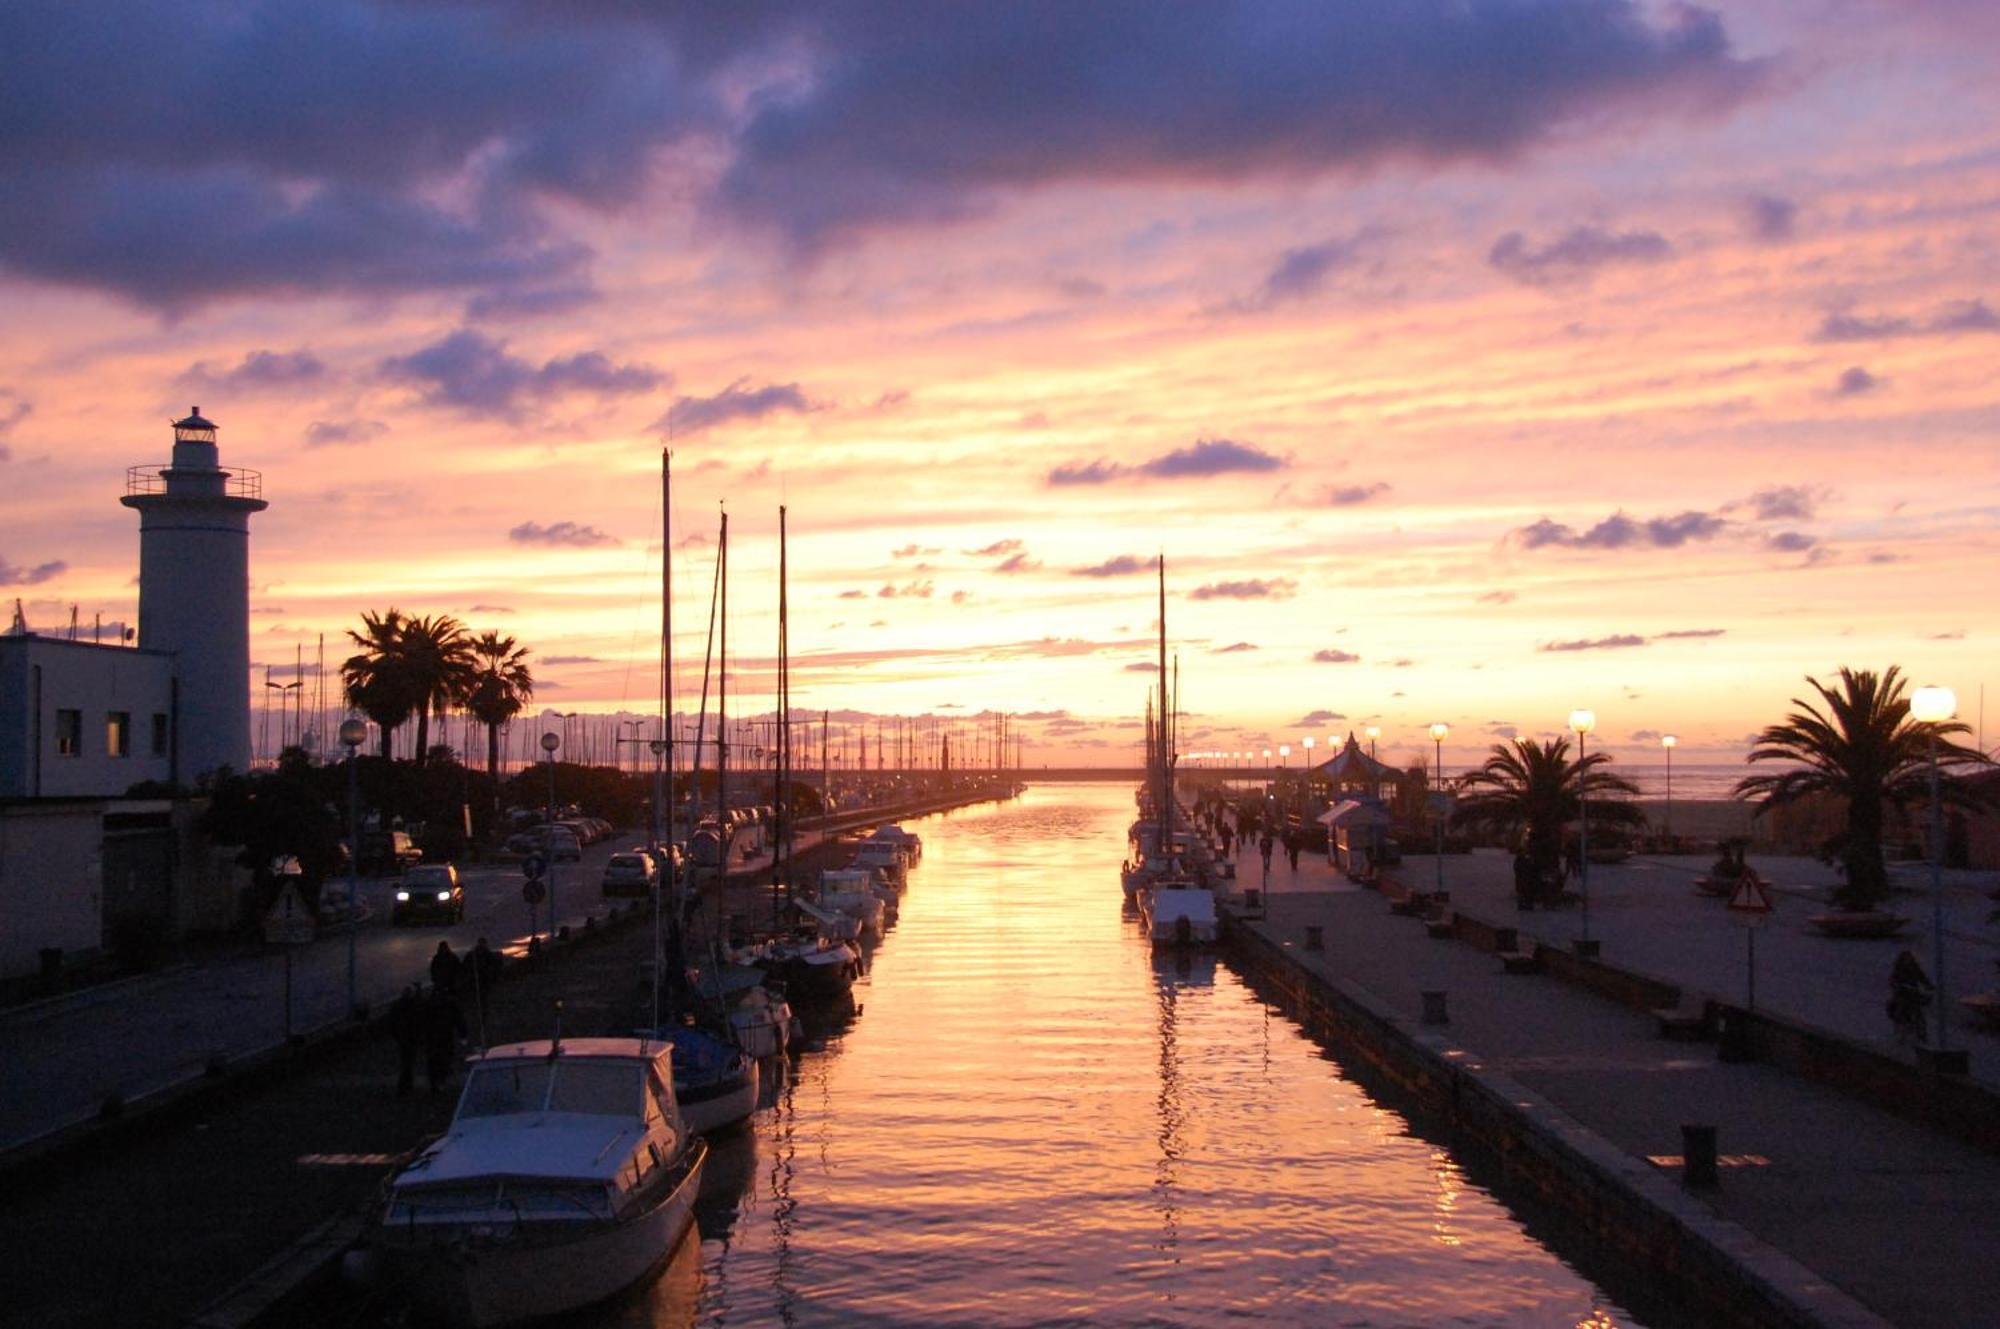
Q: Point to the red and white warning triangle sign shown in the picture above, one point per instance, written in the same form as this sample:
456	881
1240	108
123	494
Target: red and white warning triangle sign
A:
1751	895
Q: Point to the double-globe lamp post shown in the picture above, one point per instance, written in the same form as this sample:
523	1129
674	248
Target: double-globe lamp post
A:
1374	732
1582	721
550	742
1669	742
353	733
1438	732
1933	706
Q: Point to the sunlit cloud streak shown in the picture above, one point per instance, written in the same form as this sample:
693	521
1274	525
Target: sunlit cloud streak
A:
14	575
1206	457
1619	531
1619	641
1254	588
1954	316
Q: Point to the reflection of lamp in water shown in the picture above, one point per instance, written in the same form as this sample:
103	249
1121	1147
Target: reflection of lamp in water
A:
1438	731
1932	707
1582	721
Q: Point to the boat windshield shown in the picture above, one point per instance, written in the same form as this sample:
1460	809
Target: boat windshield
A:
598	1088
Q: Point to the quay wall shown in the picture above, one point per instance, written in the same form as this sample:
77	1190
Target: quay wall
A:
1641	1221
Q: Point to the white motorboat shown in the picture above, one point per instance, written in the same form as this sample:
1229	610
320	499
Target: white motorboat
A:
1179	914
909	842
850	891
715	1080
567	1176
891	860
762	1024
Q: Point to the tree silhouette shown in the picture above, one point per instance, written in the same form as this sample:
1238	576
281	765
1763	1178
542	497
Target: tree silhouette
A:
1858	744
1532	790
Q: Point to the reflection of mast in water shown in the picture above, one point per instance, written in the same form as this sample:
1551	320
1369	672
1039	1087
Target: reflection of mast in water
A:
1170	974
784	1139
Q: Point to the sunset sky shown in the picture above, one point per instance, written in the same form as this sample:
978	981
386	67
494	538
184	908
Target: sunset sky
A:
1468	359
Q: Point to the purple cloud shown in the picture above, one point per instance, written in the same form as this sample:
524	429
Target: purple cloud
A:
1619	642
1122	566
340	433
691	415
1769	218
1347	496
475	375
12	575
1574	255
1335	657
258	370
1256	588
1619	531
1855	381
563	534
1953	316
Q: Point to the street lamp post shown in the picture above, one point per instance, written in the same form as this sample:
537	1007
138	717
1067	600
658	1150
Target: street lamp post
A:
550	742
1438	732
1582	721
1933	706
1669	742
353	733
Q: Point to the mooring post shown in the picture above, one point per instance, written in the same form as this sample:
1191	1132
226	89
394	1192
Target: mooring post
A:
1315	937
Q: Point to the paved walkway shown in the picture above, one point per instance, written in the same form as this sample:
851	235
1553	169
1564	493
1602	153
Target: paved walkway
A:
1900	1218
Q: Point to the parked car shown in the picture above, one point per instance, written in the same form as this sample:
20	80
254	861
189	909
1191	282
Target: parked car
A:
630	874
561	844
388	851
430	891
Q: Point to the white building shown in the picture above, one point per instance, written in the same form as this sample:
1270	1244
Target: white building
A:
79	720
83	866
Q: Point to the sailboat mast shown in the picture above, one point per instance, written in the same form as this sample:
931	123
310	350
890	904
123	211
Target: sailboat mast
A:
722	699
1166	752
783	764
663	760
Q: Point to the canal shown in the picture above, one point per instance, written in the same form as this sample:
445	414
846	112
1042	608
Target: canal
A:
1033	1121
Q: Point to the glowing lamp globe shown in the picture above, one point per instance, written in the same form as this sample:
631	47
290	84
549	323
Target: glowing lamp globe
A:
550	742
1933	705
1438	731
1669	742
353	733
1582	721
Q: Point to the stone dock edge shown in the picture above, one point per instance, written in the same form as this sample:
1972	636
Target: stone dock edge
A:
1643	1223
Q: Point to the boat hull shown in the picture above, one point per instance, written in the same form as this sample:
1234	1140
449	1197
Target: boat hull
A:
1181	916
709	1108
485	1275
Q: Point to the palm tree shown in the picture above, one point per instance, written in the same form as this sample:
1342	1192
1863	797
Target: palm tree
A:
379	683
1533	790
1865	750
438	656
501	686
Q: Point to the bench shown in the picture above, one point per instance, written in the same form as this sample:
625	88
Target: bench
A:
1409	904
1441	924
1520	962
1684	1023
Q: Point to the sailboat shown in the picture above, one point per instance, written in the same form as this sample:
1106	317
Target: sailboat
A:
1175	902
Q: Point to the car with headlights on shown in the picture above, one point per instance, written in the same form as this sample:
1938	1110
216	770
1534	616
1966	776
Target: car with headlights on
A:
431	893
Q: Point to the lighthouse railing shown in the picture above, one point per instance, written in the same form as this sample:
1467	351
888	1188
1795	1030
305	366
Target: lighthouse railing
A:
236	483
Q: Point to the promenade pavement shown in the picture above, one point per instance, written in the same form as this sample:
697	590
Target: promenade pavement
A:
1900	1218
65	1056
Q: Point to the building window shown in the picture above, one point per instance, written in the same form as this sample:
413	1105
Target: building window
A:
159	734
69	733
118	733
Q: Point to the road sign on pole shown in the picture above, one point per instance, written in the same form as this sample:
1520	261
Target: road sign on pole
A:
1750	903
534	867
533	891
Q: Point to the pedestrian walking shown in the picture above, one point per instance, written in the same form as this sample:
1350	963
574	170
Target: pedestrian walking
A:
444	1027
1264	848
445	966
1294	840
1910	991
406	1026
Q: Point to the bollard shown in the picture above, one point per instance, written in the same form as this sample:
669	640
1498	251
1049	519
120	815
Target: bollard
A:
1732	1035
1698	1156
1253	898
1434	1008
1585	948
1315	937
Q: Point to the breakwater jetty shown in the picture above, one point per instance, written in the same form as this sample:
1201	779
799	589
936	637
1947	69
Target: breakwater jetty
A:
1763	1178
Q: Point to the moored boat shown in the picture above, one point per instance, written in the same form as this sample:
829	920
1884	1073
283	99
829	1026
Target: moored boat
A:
715	1080
567	1176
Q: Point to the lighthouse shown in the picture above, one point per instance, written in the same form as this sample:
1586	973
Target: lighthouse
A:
194	591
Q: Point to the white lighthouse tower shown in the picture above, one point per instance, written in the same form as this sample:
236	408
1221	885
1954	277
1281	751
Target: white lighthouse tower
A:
194	591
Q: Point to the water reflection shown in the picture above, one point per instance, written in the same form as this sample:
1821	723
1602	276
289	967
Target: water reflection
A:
1031	1120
